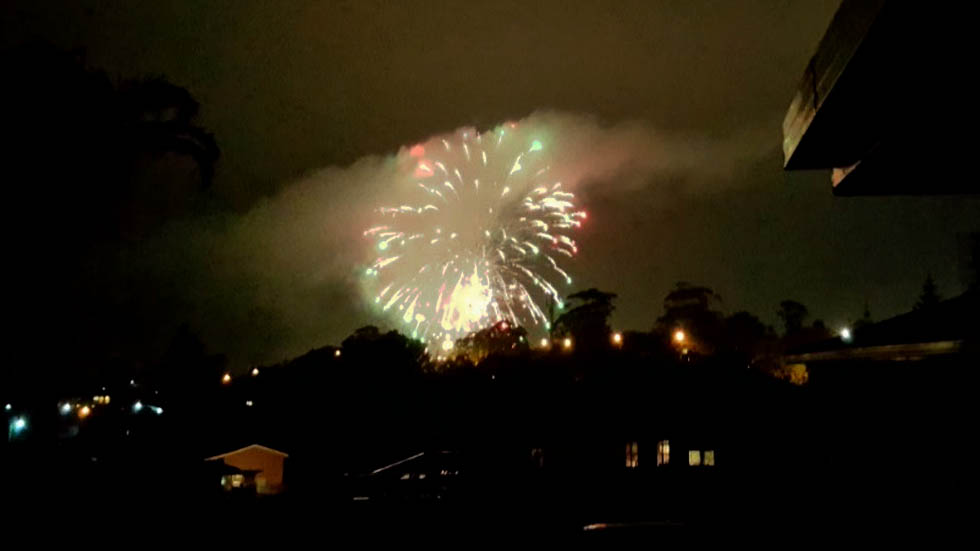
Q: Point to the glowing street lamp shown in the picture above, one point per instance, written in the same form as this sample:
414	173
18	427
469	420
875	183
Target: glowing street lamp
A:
617	338
336	353
16	426
544	343
845	334
255	372
567	343
137	407
226	378
84	412
679	336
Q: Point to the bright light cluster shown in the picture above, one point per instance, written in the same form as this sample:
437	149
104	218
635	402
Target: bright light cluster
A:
480	237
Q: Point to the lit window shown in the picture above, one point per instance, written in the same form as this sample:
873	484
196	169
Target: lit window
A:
632	455
406	476
663	452
694	458
237	480
709	458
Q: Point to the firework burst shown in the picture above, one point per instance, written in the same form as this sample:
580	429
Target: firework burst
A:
480	238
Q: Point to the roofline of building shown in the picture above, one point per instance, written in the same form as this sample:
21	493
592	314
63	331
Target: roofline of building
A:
260	446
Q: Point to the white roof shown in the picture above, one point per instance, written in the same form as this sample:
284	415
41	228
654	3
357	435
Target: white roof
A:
258	446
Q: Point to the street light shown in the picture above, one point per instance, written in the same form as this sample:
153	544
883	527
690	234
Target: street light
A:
226	378
84	412
137	407
679	336
845	334
567	343
16	426
255	372
336	353
617	338
544	343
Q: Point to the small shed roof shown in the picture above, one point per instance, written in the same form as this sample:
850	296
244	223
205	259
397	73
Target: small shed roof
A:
256	446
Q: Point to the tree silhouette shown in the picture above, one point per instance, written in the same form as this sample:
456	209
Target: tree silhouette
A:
89	148
93	166
691	309
384	358
158	117
793	315
745	336
929	296
588	322
500	338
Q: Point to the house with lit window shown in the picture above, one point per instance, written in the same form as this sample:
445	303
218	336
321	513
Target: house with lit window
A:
657	454
252	468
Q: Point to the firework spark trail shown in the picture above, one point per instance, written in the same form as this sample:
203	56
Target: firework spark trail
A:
481	241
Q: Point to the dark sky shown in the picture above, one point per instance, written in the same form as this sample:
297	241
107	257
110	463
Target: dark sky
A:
672	110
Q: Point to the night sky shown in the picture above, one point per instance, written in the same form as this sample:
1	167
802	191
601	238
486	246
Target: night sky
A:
669	112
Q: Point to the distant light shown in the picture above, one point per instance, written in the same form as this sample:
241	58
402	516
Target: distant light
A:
66	408
248	403
156	409
617	338
18	424
83	413
567	343
336	353
138	406
544	343
535	146
504	326
679	336
226	378
447	345
845	334
8	407
255	372
417	150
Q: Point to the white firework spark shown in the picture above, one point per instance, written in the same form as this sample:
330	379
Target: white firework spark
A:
480	242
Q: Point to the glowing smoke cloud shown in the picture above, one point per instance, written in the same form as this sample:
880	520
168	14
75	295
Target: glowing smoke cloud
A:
480	239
